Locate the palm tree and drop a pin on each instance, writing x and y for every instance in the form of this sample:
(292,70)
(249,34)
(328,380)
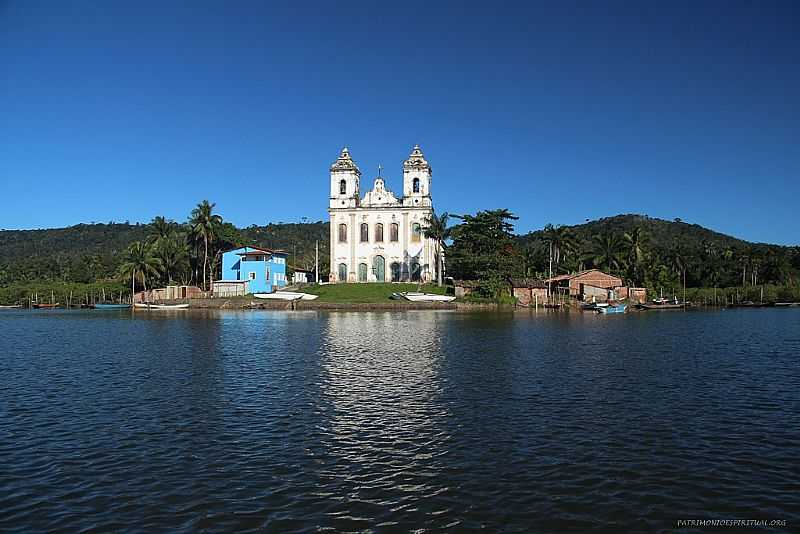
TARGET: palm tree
(561,241)
(205,224)
(606,252)
(636,241)
(140,262)
(172,254)
(436,229)
(161,228)
(678,260)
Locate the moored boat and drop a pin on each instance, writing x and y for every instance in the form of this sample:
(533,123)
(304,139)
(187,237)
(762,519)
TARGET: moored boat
(615,308)
(665,306)
(112,306)
(147,306)
(426,297)
(46,306)
(285,295)
(279,295)
(13,306)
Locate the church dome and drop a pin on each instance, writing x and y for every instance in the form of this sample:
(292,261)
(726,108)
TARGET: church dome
(416,160)
(345,163)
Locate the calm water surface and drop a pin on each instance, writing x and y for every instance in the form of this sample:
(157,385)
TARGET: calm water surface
(394,421)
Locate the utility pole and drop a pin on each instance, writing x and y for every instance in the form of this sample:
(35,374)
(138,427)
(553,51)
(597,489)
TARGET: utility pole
(549,282)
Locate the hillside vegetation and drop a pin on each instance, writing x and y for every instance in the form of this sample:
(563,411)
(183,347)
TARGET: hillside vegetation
(644,251)
(658,253)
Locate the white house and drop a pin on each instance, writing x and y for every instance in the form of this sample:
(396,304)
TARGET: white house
(379,238)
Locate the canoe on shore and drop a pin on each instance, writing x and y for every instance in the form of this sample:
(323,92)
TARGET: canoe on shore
(426,297)
(157,307)
(285,295)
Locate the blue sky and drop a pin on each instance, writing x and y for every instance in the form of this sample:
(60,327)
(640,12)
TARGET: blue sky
(560,111)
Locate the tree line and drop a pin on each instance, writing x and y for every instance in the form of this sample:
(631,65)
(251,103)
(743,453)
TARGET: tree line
(643,252)
(149,255)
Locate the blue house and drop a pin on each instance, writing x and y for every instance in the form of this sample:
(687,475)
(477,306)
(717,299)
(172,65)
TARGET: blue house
(262,269)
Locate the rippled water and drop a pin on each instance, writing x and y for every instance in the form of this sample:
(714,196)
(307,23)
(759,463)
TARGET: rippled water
(395,421)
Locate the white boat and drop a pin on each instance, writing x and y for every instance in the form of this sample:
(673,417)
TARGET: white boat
(285,295)
(145,306)
(426,297)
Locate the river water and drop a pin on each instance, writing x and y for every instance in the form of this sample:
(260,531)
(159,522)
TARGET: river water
(296,421)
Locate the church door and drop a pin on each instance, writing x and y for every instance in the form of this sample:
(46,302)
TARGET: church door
(379,267)
(362,272)
(395,268)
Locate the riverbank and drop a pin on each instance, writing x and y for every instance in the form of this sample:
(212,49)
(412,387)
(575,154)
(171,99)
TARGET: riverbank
(245,303)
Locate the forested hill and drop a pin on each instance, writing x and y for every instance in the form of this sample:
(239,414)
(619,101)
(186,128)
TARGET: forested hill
(658,231)
(90,252)
(654,251)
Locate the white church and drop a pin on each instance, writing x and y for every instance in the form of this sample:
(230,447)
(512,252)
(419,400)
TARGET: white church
(380,238)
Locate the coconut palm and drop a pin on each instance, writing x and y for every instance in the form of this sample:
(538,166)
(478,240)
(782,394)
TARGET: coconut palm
(561,241)
(436,229)
(140,262)
(161,228)
(606,252)
(173,254)
(205,224)
(635,242)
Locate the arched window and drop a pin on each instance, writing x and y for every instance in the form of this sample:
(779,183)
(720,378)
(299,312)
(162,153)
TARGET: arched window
(416,185)
(395,268)
(343,187)
(364,232)
(362,272)
(379,233)
(416,232)
(342,233)
(342,272)
(394,232)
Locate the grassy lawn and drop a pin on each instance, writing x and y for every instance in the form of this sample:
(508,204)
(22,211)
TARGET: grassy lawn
(365,293)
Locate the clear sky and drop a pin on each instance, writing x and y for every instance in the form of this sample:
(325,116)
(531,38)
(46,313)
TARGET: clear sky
(559,111)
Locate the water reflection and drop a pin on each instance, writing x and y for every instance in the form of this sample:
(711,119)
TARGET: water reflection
(299,421)
(385,426)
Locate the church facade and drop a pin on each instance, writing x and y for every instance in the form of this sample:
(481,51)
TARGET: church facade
(380,237)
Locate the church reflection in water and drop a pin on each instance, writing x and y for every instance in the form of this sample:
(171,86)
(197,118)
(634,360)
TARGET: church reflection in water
(380,394)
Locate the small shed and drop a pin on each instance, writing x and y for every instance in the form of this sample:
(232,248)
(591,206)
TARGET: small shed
(302,276)
(529,292)
(230,288)
(462,288)
(585,282)
(635,295)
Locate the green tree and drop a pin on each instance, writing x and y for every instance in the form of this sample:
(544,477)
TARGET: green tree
(606,252)
(161,228)
(436,228)
(205,224)
(483,249)
(140,261)
(636,243)
(561,242)
(173,256)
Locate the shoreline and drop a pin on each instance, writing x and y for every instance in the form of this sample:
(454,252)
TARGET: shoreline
(254,304)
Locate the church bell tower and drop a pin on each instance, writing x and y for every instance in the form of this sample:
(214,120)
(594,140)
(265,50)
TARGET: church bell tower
(416,179)
(345,187)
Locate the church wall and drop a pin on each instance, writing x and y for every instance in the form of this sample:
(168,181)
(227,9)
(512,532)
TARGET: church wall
(355,252)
